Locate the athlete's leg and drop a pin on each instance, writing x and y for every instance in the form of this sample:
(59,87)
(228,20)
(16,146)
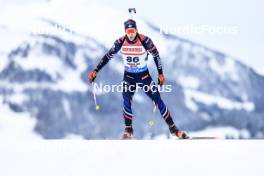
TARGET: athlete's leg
(152,91)
(128,92)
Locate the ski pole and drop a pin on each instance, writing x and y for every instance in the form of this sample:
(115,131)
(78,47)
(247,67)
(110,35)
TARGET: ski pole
(154,107)
(97,107)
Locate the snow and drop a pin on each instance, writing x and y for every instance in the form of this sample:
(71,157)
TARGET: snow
(189,82)
(102,17)
(105,28)
(14,126)
(50,65)
(71,82)
(67,14)
(3,61)
(23,152)
(119,66)
(228,70)
(223,132)
(139,98)
(205,116)
(135,157)
(13,37)
(17,98)
(67,107)
(191,104)
(221,102)
(18,87)
(247,44)
(73,137)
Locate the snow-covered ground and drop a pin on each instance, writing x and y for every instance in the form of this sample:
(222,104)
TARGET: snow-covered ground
(131,158)
(16,126)
(23,152)
(223,133)
(20,126)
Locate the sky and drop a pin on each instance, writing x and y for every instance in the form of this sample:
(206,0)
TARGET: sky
(246,17)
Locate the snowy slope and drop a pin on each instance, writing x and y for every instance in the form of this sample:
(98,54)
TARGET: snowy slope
(48,70)
(15,126)
(130,158)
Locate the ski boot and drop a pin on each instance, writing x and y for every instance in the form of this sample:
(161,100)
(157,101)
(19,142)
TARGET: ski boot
(128,133)
(176,132)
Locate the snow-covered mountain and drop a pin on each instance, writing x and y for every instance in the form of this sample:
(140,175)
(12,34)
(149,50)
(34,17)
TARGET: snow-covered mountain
(47,49)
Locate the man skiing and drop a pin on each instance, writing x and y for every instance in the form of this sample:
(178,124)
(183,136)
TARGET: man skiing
(134,49)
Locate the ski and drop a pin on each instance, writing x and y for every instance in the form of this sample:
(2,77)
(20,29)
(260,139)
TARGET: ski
(202,137)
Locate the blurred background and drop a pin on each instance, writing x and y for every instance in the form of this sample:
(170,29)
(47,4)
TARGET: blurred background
(210,51)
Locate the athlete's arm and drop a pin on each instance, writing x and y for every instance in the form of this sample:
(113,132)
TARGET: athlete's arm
(115,48)
(149,45)
(110,54)
(154,52)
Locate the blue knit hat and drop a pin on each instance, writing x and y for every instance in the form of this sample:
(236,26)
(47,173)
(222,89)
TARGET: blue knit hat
(130,24)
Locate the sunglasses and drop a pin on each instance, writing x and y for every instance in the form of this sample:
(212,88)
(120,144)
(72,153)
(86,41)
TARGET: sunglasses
(130,30)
